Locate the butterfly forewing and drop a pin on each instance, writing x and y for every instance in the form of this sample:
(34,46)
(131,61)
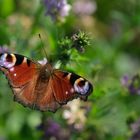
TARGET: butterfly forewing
(22,75)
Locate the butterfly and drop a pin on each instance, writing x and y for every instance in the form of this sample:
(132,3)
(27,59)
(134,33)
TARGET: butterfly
(40,86)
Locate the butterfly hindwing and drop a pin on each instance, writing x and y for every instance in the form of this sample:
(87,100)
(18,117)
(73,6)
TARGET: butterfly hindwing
(67,86)
(63,90)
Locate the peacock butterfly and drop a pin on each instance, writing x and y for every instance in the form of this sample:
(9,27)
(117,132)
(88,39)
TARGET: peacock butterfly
(40,86)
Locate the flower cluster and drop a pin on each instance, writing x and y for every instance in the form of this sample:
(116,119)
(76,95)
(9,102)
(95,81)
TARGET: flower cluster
(67,46)
(75,114)
(80,41)
(132,84)
(84,7)
(57,9)
(135,128)
(52,130)
(3,49)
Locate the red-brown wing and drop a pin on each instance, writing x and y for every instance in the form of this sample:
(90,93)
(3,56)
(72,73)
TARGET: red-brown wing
(67,86)
(63,90)
(57,88)
(49,90)
(45,97)
(29,81)
(22,74)
(41,87)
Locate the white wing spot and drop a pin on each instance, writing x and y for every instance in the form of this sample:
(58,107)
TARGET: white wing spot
(15,74)
(25,60)
(43,62)
(12,69)
(72,90)
(66,92)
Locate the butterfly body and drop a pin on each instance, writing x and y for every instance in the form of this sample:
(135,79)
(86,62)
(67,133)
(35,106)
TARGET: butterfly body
(40,86)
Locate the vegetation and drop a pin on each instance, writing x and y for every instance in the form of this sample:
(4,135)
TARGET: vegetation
(99,40)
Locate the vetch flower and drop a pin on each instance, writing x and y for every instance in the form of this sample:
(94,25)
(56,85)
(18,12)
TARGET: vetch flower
(57,9)
(3,49)
(84,7)
(135,127)
(125,80)
(134,87)
(132,84)
(52,130)
(49,128)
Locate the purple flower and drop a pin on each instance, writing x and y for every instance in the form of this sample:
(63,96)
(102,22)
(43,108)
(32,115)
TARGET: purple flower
(49,128)
(84,7)
(135,127)
(132,84)
(57,9)
(52,129)
(3,49)
(125,80)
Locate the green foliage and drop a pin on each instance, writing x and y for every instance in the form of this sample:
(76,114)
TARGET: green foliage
(102,46)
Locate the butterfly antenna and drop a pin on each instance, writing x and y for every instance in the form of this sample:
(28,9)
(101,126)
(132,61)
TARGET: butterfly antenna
(42,44)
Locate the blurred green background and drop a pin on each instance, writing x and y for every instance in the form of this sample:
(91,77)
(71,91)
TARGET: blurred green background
(111,62)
